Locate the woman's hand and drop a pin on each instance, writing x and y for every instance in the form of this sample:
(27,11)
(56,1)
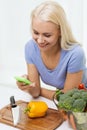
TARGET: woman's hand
(32,88)
(22,85)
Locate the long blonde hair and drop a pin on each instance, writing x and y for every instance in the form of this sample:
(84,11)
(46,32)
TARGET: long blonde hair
(51,11)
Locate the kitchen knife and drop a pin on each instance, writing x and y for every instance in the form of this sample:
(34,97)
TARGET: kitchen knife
(15,111)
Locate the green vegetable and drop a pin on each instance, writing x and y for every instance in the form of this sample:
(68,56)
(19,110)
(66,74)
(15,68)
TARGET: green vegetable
(22,79)
(58,94)
(84,96)
(74,100)
(76,95)
(66,103)
(79,105)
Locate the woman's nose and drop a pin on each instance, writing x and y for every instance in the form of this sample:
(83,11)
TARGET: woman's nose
(40,40)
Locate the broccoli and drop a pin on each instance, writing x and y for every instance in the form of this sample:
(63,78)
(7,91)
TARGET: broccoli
(76,95)
(79,105)
(71,92)
(63,97)
(84,96)
(66,103)
(74,100)
(58,94)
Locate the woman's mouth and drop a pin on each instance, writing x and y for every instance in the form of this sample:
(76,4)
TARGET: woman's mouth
(42,45)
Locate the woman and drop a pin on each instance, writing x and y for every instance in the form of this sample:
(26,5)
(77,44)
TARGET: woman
(53,53)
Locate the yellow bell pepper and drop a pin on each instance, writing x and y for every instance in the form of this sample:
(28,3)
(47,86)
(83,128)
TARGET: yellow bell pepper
(36,109)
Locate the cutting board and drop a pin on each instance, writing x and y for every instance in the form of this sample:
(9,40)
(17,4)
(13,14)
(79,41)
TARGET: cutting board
(51,121)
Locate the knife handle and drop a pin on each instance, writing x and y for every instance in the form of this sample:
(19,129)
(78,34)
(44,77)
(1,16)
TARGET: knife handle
(12,101)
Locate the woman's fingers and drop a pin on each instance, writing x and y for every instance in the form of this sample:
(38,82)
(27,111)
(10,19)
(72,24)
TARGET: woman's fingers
(32,85)
(25,87)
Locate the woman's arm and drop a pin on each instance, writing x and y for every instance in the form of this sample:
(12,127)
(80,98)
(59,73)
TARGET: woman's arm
(47,93)
(72,80)
(33,76)
(37,90)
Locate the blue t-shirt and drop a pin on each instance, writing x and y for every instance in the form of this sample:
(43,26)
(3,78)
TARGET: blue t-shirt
(70,61)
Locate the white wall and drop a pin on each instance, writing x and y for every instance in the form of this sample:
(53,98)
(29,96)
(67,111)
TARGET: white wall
(14,32)
(85,26)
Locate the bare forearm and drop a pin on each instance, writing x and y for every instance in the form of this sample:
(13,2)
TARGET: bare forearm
(47,93)
(35,92)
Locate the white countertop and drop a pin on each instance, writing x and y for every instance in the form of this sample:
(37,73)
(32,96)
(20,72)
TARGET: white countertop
(7,91)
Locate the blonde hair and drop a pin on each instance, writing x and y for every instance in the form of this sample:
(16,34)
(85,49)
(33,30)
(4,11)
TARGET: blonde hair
(51,11)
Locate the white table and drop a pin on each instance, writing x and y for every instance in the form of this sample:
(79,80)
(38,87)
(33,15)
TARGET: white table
(7,91)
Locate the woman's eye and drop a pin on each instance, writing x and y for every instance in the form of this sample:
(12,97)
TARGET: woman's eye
(47,35)
(36,33)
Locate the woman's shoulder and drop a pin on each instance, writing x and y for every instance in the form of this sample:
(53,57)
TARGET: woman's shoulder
(76,52)
(77,46)
(31,48)
(30,43)
(77,49)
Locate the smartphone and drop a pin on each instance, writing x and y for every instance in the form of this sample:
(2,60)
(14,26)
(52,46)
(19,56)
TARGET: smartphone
(22,79)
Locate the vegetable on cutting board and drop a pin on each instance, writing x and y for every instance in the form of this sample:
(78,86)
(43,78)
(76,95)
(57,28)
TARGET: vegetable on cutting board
(36,109)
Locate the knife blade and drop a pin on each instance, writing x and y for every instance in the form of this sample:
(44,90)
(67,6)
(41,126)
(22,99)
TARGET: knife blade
(15,111)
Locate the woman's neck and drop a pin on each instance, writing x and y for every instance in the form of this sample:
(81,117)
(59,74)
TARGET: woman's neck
(49,56)
(52,51)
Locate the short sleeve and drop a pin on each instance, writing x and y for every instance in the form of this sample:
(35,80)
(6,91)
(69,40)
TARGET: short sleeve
(29,52)
(77,60)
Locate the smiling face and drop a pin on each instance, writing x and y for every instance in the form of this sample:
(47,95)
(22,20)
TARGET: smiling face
(46,34)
